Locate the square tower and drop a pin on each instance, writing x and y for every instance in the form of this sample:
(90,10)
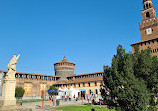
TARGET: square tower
(148,29)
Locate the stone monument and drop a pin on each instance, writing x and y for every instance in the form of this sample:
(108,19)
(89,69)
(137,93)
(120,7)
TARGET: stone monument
(9,84)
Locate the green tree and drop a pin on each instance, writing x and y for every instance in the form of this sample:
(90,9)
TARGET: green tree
(146,68)
(123,90)
(19,92)
(52,88)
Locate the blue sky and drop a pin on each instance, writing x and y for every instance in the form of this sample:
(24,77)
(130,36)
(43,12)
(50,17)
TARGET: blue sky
(87,32)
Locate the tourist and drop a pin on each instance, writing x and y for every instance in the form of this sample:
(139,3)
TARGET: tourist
(88,98)
(74,96)
(50,99)
(69,97)
(54,100)
(92,97)
(62,97)
(82,99)
(65,97)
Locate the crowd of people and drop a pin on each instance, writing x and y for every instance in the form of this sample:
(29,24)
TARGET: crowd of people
(91,99)
(52,100)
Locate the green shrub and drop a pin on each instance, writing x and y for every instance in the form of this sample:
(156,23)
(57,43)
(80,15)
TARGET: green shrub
(19,92)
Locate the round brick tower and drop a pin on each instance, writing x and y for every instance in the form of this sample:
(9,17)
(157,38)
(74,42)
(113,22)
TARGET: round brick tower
(64,68)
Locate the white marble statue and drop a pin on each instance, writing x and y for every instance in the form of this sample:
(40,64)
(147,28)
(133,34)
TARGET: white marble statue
(12,67)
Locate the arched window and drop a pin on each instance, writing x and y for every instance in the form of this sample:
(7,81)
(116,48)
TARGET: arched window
(101,83)
(74,85)
(148,14)
(95,84)
(83,85)
(89,84)
(96,91)
(89,91)
(146,5)
(149,5)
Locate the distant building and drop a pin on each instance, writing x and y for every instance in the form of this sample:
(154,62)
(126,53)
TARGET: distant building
(148,29)
(64,77)
(64,68)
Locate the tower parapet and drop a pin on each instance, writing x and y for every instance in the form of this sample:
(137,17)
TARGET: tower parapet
(149,26)
(64,68)
(148,29)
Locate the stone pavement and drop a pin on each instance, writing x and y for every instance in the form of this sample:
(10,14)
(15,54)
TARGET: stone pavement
(36,106)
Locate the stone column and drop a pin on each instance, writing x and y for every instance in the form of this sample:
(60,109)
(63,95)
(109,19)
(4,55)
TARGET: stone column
(1,80)
(54,78)
(8,93)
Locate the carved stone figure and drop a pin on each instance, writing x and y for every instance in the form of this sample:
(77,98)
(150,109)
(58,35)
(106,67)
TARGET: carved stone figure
(12,66)
(9,84)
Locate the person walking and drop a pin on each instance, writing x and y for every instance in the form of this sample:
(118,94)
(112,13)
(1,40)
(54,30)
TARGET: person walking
(88,98)
(54,100)
(92,99)
(65,97)
(50,100)
(74,97)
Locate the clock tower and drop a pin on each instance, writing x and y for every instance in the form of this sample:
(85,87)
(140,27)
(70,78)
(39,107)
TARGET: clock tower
(148,28)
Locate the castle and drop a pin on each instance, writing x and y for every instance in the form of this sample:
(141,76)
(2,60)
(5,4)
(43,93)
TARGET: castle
(90,82)
(148,29)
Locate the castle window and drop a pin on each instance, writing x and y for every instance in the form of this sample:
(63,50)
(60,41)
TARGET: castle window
(89,91)
(78,85)
(146,5)
(26,76)
(96,91)
(89,84)
(16,75)
(95,83)
(83,85)
(101,83)
(149,42)
(148,14)
(149,5)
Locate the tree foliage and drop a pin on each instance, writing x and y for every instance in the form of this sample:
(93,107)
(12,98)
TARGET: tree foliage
(19,92)
(131,81)
(52,88)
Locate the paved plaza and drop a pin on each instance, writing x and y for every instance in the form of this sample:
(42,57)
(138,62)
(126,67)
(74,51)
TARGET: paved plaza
(36,106)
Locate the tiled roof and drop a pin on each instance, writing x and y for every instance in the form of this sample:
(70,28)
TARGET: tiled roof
(61,82)
(64,61)
(87,74)
(80,80)
(87,79)
(143,41)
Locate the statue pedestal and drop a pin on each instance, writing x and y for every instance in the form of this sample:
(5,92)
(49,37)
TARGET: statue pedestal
(8,93)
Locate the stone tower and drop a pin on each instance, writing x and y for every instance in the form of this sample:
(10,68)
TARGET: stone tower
(148,29)
(64,68)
